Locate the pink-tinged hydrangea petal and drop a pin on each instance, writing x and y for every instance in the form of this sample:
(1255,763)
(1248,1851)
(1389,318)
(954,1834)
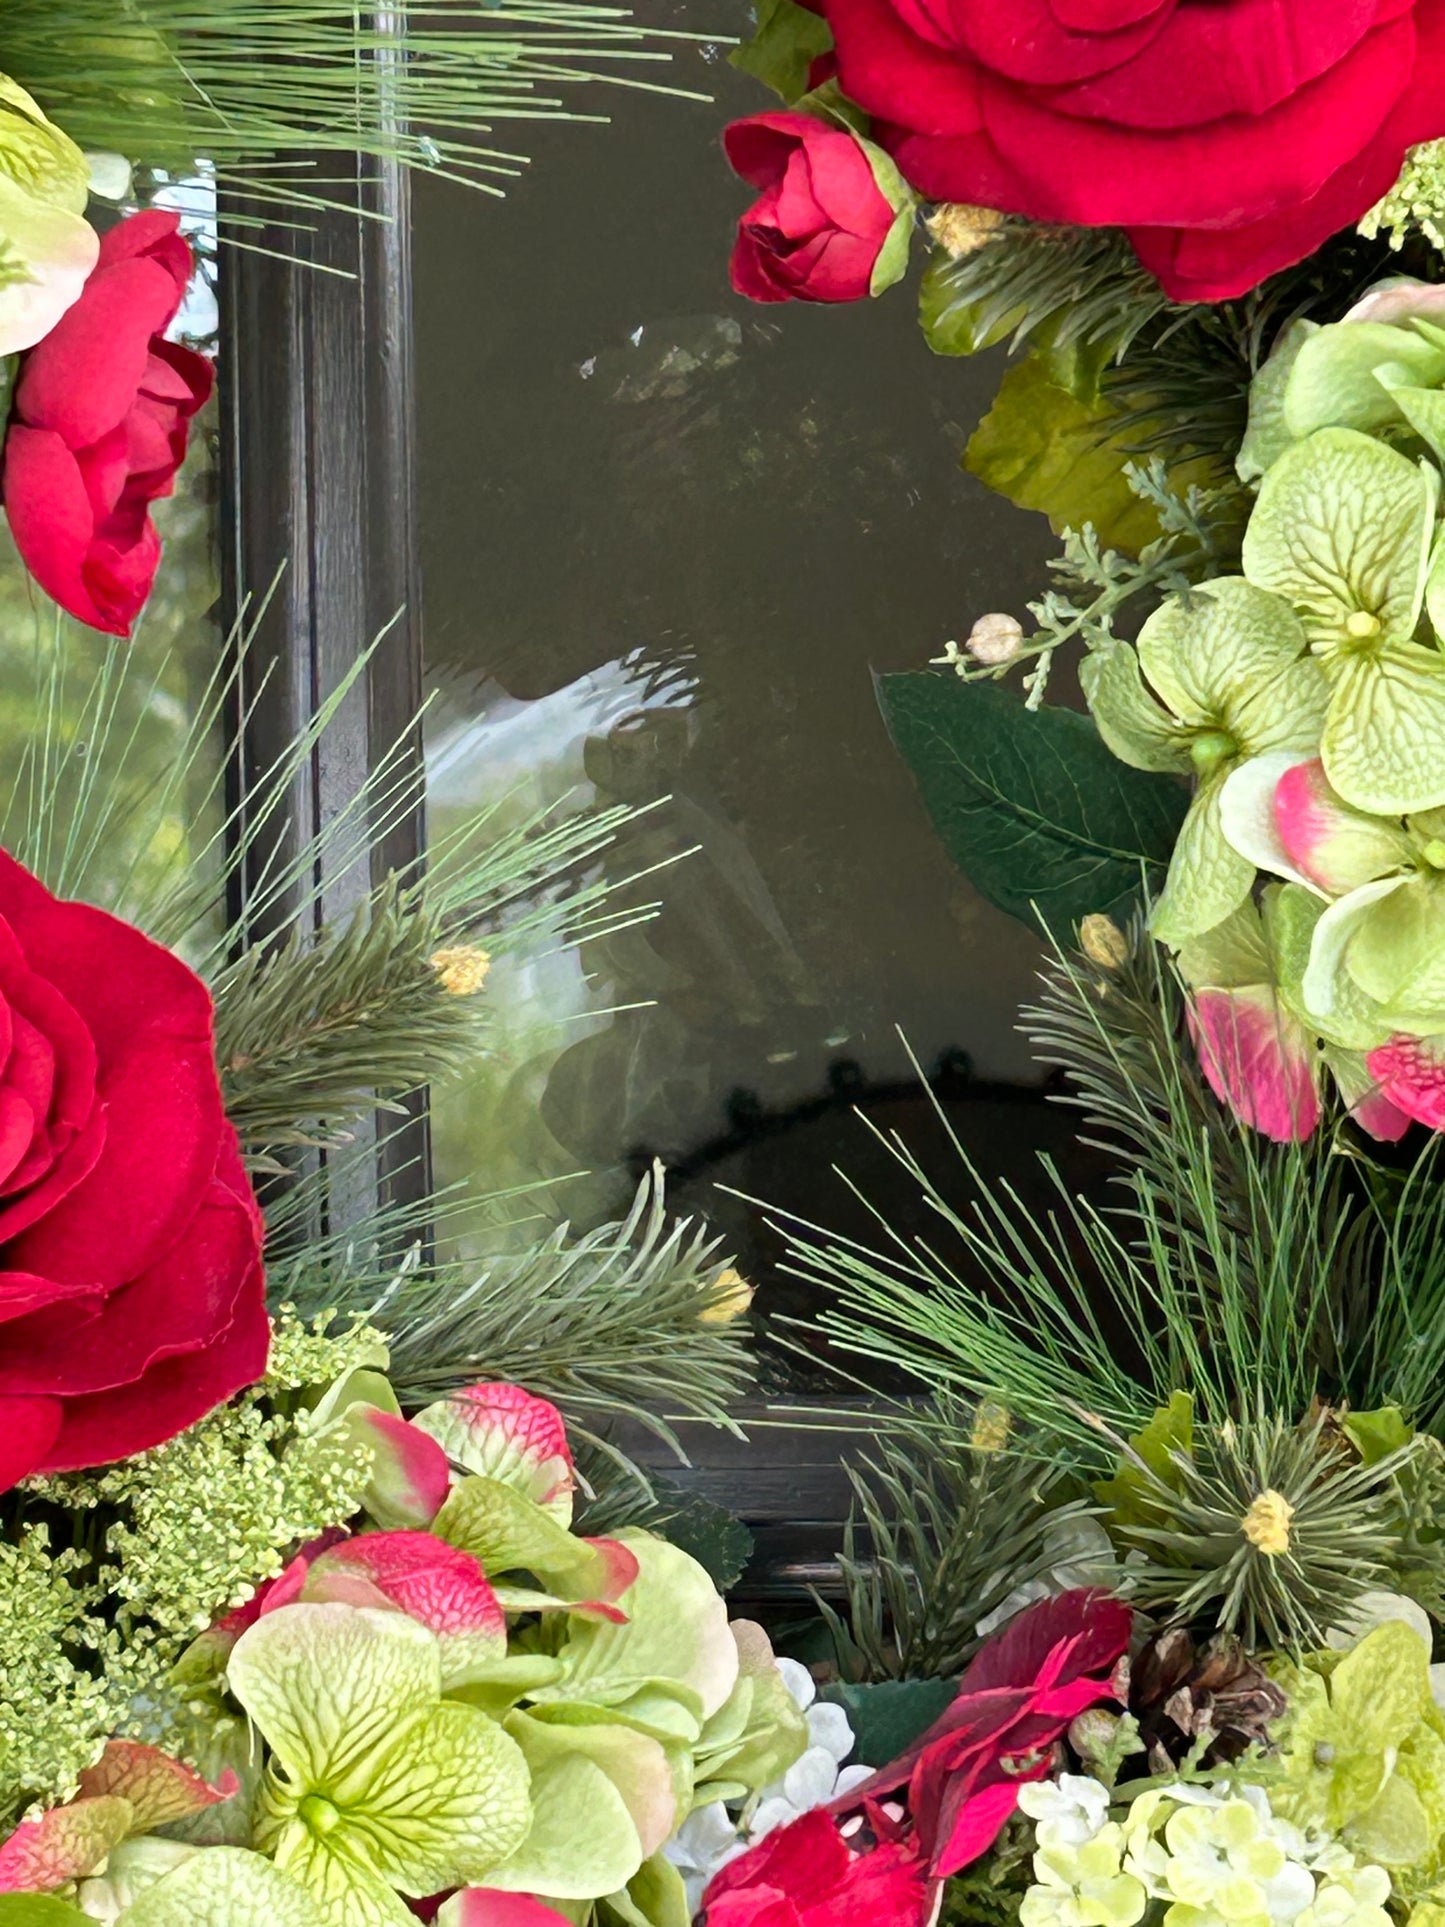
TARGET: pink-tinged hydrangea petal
(1258,1061)
(590,1591)
(1410,1072)
(1367,1104)
(63,1845)
(1397,299)
(1332,846)
(437,1584)
(507,1434)
(486,1907)
(410,1478)
(158,1788)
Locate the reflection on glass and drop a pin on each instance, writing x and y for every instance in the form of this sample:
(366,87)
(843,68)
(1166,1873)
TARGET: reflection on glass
(667,537)
(177,639)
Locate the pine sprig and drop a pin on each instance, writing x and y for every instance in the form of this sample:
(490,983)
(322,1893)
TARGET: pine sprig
(632,1321)
(314,1034)
(1245,1273)
(1071,287)
(941,1530)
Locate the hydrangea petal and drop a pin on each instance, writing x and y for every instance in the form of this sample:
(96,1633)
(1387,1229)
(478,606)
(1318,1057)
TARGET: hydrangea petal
(508,1434)
(1384,741)
(1207,878)
(1375,1113)
(1327,843)
(1397,953)
(1247,815)
(1342,528)
(490,1907)
(63,1845)
(410,1477)
(226,1887)
(1258,1060)
(160,1789)
(1410,1074)
(1327,985)
(1334,381)
(1134,725)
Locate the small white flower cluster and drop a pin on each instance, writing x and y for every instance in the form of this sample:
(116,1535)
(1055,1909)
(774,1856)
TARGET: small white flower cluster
(1215,1856)
(712,1836)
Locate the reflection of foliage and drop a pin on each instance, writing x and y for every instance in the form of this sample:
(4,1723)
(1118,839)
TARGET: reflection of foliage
(175,81)
(84,720)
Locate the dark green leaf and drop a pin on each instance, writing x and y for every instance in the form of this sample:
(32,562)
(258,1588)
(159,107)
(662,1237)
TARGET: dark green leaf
(1038,814)
(788,40)
(721,1544)
(890,1715)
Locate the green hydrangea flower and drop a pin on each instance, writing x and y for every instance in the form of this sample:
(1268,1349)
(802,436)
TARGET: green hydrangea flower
(377,1786)
(1210,684)
(1365,1750)
(47,248)
(1344,530)
(1359,926)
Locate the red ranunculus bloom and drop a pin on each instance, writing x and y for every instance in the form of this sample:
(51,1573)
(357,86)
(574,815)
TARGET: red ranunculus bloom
(98,427)
(806,1875)
(1231,137)
(822,221)
(132,1298)
(879,1853)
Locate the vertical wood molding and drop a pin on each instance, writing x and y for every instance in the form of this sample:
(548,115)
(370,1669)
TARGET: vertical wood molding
(318,485)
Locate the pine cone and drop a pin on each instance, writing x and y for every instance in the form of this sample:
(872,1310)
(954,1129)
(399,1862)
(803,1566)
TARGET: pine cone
(1179,1693)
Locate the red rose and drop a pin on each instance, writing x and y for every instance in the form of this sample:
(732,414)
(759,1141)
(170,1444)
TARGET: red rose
(824,229)
(98,427)
(132,1298)
(1231,137)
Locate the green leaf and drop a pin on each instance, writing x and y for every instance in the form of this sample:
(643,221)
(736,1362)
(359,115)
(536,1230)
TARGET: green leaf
(955,326)
(1031,805)
(788,39)
(1045,449)
(720,1543)
(1376,1435)
(42,1910)
(888,1716)
(1170,1430)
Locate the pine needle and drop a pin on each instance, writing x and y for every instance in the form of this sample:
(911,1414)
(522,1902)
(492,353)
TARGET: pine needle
(241,84)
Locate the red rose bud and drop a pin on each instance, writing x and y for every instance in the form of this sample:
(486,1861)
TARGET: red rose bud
(132,1299)
(98,427)
(834,217)
(1230,138)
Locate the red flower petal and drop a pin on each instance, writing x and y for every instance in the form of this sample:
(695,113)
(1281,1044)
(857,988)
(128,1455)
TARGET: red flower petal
(28,1429)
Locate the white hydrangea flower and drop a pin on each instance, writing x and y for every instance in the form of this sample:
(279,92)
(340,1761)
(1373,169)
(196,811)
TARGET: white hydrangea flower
(1066,1812)
(1084,1886)
(1227,1861)
(1355,1898)
(712,1836)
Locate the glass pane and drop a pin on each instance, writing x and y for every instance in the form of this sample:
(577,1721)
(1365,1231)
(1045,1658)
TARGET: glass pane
(667,538)
(133,732)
